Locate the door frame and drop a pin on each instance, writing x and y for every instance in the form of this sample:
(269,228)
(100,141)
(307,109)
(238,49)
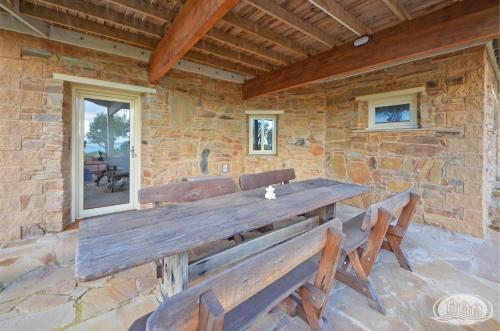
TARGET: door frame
(78,93)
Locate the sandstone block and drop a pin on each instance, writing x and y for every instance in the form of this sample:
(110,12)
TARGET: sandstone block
(391,163)
(358,172)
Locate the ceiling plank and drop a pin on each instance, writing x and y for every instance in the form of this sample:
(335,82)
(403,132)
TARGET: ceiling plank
(80,24)
(459,25)
(269,35)
(110,16)
(338,13)
(194,20)
(397,9)
(147,8)
(292,20)
(225,65)
(248,46)
(12,7)
(233,56)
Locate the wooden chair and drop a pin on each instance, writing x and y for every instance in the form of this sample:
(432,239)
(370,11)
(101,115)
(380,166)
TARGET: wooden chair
(237,297)
(364,237)
(187,191)
(263,179)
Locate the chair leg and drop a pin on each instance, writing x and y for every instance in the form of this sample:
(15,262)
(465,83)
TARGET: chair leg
(363,287)
(310,312)
(398,251)
(362,284)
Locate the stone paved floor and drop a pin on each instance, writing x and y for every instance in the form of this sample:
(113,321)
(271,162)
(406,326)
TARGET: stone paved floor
(38,292)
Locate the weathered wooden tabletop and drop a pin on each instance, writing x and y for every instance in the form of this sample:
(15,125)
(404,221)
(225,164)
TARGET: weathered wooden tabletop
(113,243)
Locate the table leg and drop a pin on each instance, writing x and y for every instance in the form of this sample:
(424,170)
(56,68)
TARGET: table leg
(175,274)
(325,213)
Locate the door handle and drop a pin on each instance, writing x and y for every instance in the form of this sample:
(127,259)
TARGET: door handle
(132,152)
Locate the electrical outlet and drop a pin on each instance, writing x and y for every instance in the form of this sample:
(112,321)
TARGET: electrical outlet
(225,168)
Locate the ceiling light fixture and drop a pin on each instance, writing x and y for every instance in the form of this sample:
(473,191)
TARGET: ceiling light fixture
(361,41)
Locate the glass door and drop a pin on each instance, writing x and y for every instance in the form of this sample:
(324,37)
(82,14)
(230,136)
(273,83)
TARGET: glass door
(105,153)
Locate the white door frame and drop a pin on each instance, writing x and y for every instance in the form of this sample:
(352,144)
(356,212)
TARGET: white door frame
(79,92)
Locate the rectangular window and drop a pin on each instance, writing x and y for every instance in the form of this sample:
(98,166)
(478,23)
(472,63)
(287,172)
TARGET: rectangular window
(393,112)
(262,135)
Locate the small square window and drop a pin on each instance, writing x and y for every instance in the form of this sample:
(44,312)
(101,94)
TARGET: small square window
(262,135)
(393,112)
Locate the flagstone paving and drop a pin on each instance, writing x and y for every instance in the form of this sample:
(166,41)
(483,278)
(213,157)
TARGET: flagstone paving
(38,291)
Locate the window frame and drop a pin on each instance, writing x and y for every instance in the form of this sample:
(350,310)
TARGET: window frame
(272,118)
(410,99)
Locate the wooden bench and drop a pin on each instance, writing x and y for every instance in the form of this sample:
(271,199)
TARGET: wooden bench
(186,191)
(238,296)
(364,237)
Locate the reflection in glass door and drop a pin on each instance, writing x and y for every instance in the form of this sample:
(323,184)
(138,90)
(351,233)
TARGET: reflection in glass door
(105,163)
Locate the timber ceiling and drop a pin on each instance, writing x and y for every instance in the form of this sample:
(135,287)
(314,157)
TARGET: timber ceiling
(256,37)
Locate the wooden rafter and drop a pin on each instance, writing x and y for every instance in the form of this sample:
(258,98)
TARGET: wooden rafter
(397,8)
(228,54)
(80,24)
(110,16)
(338,13)
(269,35)
(225,65)
(248,46)
(292,20)
(193,21)
(459,25)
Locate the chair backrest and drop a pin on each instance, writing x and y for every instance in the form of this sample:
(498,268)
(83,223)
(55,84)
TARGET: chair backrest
(392,205)
(263,179)
(243,280)
(187,191)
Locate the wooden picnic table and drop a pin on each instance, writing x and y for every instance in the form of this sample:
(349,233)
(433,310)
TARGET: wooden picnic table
(112,243)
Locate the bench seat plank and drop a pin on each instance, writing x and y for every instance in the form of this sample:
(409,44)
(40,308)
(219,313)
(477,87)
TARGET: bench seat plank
(258,305)
(354,236)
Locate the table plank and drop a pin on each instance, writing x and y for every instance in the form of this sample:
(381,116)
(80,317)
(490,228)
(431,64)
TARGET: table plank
(167,231)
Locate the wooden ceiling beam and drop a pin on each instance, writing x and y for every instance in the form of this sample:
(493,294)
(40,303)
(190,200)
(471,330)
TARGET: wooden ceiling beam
(110,16)
(194,20)
(225,65)
(83,25)
(248,46)
(269,35)
(338,13)
(397,9)
(456,26)
(283,15)
(233,56)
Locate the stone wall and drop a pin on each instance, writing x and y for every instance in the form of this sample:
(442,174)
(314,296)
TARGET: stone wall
(193,125)
(446,161)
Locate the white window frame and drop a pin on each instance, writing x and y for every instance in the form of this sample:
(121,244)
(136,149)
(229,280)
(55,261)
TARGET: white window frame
(251,118)
(407,96)
(410,99)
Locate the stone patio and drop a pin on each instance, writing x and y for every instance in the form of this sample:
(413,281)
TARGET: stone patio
(38,292)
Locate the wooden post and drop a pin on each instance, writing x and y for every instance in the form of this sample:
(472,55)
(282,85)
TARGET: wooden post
(175,274)
(325,213)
